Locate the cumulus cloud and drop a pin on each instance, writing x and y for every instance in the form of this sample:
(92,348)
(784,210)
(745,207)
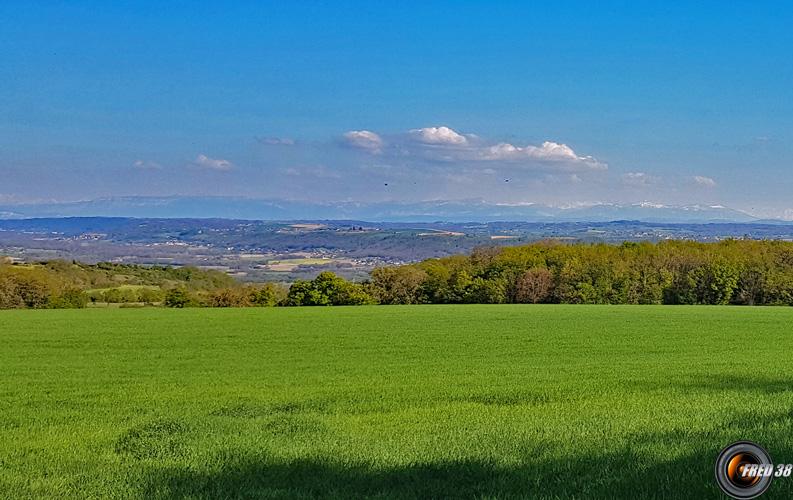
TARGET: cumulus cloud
(639,179)
(703,181)
(365,140)
(439,136)
(439,160)
(213,163)
(549,151)
(448,145)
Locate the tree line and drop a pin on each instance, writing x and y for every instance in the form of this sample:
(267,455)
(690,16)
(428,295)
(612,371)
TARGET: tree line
(69,284)
(746,272)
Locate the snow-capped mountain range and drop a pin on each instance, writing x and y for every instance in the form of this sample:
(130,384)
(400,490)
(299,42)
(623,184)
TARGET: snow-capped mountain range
(453,211)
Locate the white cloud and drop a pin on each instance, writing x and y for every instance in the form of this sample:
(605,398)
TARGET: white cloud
(146,165)
(639,179)
(213,163)
(364,139)
(438,135)
(548,151)
(445,145)
(277,141)
(703,181)
(469,147)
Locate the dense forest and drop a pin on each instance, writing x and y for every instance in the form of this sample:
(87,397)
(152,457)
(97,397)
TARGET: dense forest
(746,272)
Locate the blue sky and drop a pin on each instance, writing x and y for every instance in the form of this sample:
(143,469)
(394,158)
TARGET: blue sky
(550,102)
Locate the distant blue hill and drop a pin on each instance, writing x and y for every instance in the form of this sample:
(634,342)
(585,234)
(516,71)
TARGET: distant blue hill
(453,211)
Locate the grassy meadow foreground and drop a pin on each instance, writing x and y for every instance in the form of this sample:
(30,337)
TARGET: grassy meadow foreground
(496,401)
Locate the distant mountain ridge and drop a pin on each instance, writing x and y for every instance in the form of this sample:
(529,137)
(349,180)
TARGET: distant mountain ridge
(428,211)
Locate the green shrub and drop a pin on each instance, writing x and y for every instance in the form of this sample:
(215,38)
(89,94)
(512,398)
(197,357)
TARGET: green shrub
(178,298)
(71,298)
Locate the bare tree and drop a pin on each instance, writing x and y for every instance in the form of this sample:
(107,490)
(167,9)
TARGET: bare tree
(534,286)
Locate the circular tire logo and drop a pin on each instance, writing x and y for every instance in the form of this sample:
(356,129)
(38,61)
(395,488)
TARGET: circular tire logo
(731,470)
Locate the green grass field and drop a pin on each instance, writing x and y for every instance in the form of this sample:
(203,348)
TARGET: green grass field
(426,401)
